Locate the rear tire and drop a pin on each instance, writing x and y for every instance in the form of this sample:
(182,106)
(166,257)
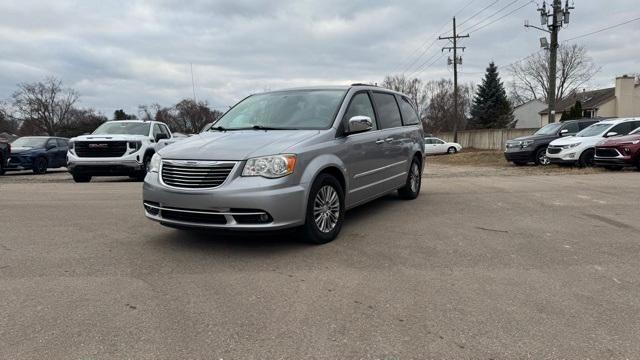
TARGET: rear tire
(325,210)
(411,189)
(81,178)
(40,165)
(586,159)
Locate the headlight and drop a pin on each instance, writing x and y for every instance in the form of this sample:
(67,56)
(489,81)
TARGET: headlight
(71,145)
(274,166)
(134,146)
(154,165)
(526,143)
(570,146)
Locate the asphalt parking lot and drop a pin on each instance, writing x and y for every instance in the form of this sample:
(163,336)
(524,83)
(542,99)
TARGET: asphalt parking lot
(486,267)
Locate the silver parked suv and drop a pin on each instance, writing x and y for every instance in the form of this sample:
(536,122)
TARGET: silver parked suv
(291,158)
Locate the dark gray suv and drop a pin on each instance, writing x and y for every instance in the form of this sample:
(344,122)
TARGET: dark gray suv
(290,158)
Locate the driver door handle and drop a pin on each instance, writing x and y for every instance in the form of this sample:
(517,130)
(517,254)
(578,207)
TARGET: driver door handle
(389,139)
(379,141)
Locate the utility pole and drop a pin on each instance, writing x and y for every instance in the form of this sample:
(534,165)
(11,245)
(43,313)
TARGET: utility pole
(559,16)
(457,60)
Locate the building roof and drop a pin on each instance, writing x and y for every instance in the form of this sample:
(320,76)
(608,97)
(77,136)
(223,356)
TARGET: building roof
(589,99)
(529,102)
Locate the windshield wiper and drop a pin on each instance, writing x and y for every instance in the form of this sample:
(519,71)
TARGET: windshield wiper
(218,128)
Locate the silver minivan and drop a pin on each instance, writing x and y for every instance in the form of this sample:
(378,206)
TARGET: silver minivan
(290,158)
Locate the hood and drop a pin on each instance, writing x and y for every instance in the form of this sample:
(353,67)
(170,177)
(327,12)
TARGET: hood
(617,140)
(23,150)
(568,140)
(115,137)
(235,145)
(535,137)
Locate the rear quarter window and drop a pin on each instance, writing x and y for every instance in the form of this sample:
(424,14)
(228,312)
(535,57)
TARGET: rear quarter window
(409,115)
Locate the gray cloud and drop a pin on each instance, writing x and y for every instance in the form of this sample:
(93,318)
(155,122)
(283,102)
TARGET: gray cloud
(125,53)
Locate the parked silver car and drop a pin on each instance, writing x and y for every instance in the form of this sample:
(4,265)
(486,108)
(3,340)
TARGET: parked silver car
(290,158)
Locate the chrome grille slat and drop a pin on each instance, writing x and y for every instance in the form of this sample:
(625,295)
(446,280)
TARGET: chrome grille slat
(195,174)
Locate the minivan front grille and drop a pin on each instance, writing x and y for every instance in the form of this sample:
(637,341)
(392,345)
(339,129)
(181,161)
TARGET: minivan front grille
(100,148)
(605,152)
(195,174)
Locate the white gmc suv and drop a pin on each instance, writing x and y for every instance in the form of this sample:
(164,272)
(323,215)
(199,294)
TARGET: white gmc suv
(122,147)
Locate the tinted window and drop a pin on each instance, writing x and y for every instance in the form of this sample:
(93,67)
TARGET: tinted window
(387,110)
(52,142)
(360,106)
(409,116)
(585,124)
(428,141)
(438,141)
(572,128)
(62,143)
(624,128)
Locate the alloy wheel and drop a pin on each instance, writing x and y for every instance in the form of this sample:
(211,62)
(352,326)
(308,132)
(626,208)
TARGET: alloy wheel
(326,209)
(415,177)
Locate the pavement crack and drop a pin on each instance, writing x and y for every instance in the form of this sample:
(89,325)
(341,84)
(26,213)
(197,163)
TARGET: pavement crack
(489,229)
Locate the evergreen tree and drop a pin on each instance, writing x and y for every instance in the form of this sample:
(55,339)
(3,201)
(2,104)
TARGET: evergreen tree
(575,112)
(491,108)
(121,115)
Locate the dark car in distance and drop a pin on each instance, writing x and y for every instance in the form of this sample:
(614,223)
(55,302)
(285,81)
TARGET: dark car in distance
(618,152)
(533,148)
(38,153)
(5,151)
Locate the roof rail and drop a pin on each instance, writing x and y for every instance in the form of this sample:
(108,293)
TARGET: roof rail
(363,84)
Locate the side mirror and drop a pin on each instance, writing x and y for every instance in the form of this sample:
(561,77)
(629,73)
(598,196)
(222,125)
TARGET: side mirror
(564,132)
(611,133)
(358,124)
(161,136)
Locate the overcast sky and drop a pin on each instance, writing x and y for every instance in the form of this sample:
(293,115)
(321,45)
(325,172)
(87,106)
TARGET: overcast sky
(119,54)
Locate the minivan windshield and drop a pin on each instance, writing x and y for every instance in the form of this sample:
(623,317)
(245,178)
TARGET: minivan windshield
(123,127)
(593,130)
(283,110)
(31,142)
(549,129)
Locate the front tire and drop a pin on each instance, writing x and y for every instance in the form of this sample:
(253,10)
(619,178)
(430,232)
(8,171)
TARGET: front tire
(411,189)
(81,178)
(541,157)
(145,168)
(452,150)
(325,210)
(40,165)
(586,159)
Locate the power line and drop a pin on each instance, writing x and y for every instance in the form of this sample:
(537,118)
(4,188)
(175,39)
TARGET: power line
(603,29)
(421,68)
(503,16)
(417,49)
(490,16)
(479,12)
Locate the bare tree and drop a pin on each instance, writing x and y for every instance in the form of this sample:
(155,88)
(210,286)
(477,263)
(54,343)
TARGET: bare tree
(439,113)
(148,112)
(188,116)
(45,104)
(531,76)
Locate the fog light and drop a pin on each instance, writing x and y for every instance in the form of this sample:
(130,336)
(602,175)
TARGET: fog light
(263,218)
(151,209)
(571,155)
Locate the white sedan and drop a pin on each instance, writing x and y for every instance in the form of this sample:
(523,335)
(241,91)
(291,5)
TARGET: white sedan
(434,145)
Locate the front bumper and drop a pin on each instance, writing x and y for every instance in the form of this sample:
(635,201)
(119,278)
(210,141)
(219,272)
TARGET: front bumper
(518,155)
(18,162)
(565,156)
(127,165)
(284,203)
